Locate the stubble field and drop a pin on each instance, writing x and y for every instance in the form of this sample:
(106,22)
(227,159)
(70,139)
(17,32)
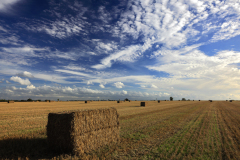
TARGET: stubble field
(166,130)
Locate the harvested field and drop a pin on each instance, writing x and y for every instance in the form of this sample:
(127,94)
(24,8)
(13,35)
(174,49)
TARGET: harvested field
(166,130)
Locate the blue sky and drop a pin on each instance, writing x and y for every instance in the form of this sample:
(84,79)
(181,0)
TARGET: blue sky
(136,49)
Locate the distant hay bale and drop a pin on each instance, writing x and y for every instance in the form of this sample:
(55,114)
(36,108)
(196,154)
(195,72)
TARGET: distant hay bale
(143,104)
(51,101)
(37,101)
(119,101)
(46,100)
(210,100)
(10,101)
(87,101)
(83,131)
(226,100)
(129,101)
(159,101)
(230,101)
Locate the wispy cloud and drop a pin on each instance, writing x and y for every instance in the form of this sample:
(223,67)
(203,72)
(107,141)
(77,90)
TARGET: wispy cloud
(6,4)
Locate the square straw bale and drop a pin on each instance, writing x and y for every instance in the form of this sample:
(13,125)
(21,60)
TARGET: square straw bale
(119,101)
(10,101)
(144,104)
(87,101)
(83,131)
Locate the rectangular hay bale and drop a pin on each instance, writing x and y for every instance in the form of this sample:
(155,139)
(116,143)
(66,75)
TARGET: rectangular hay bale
(82,131)
(10,101)
(87,101)
(119,101)
(143,104)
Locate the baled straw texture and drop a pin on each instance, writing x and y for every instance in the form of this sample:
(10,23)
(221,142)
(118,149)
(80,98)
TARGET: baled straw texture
(83,131)
(10,101)
(87,101)
(119,101)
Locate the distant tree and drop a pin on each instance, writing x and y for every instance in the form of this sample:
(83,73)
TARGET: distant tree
(39,100)
(29,100)
(58,99)
(188,99)
(183,99)
(171,98)
(126,99)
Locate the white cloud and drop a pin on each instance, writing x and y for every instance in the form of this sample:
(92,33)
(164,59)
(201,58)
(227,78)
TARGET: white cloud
(101,85)
(20,80)
(118,84)
(166,94)
(153,86)
(73,72)
(89,82)
(25,74)
(124,92)
(5,4)
(8,82)
(31,87)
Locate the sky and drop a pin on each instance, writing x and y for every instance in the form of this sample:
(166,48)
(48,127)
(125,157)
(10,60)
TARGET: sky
(135,49)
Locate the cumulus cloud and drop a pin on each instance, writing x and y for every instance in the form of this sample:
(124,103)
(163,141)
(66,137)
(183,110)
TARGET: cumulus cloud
(124,92)
(31,87)
(102,86)
(118,84)
(20,80)
(25,74)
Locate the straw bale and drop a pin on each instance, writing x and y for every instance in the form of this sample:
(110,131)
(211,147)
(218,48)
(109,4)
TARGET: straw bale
(159,101)
(10,101)
(129,101)
(210,100)
(143,104)
(226,100)
(83,131)
(230,101)
(87,101)
(47,101)
(119,101)
(51,101)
